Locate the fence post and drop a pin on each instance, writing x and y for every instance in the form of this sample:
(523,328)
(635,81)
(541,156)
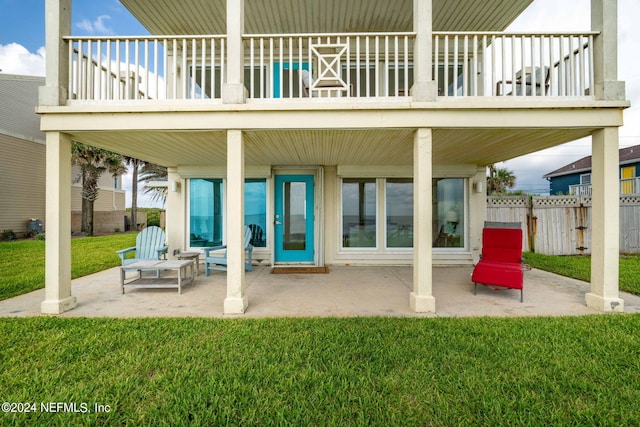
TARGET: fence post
(531,223)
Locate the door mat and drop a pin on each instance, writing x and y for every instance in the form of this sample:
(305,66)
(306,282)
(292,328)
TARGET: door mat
(300,270)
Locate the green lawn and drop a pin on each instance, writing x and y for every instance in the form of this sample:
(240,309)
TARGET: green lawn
(356,371)
(22,262)
(579,267)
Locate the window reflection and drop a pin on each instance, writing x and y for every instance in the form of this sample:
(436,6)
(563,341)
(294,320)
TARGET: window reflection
(359,213)
(255,210)
(399,195)
(295,216)
(206,209)
(448,212)
(205,219)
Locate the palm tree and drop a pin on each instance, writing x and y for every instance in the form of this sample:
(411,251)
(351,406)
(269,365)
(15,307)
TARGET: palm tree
(152,172)
(93,162)
(499,180)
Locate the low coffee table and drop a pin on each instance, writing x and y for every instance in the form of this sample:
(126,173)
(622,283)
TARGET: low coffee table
(194,256)
(184,277)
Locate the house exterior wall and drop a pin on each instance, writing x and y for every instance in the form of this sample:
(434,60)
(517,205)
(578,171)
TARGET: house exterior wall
(328,211)
(22,176)
(23,160)
(22,186)
(560,184)
(110,198)
(230,138)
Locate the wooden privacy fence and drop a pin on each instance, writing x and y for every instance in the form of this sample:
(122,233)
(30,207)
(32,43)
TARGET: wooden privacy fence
(561,225)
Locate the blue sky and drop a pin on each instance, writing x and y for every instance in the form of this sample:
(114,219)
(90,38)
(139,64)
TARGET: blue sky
(22,21)
(22,52)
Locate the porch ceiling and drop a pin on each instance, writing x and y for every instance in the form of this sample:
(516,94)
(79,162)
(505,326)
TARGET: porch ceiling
(330,147)
(322,16)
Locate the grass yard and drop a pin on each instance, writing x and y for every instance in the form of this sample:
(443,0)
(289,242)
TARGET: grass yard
(335,371)
(22,262)
(579,267)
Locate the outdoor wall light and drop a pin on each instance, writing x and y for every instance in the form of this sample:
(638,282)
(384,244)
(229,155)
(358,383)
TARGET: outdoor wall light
(174,186)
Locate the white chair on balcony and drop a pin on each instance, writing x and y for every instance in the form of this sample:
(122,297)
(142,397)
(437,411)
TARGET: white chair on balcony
(543,76)
(328,82)
(306,81)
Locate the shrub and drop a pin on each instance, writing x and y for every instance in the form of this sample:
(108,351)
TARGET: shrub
(30,234)
(153,216)
(8,235)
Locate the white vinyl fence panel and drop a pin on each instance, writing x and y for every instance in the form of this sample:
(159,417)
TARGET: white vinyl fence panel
(561,225)
(630,224)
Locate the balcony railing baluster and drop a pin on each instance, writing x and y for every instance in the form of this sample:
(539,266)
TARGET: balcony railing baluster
(368,65)
(628,186)
(145,68)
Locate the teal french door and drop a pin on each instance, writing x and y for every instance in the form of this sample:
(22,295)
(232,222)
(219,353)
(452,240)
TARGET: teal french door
(294,218)
(290,71)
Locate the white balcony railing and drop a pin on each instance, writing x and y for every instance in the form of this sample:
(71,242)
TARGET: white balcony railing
(351,65)
(128,68)
(518,65)
(580,190)
(630,186)
(361,65)
(627,186)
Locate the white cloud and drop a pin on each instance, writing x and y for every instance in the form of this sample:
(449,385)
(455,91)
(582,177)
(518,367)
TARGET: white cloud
(98,26)
(16,59)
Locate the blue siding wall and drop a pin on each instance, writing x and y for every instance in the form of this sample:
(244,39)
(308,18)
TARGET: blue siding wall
(560,184)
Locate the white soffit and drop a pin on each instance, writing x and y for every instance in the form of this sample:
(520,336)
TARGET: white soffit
(353,149)
(180,17)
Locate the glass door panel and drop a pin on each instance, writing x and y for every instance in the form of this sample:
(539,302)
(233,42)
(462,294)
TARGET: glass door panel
(294,224)
(293,218)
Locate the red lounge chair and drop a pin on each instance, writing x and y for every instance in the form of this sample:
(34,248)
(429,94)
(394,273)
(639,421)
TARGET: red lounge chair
(501,261)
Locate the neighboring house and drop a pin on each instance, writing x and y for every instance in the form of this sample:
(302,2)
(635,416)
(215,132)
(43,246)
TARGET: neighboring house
(575,178)
(22,160)
(356,135)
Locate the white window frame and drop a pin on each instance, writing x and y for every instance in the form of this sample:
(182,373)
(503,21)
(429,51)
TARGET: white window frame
(381,247)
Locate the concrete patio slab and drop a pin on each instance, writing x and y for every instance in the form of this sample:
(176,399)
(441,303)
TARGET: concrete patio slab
(345,291)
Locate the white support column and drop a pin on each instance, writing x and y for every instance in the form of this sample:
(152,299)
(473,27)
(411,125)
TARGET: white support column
(421,299)
(236,301)
(605,222)
(604,18)
(424,87)
(234,91)
(175,209)
(58,24)
(477,211)
(58,297)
